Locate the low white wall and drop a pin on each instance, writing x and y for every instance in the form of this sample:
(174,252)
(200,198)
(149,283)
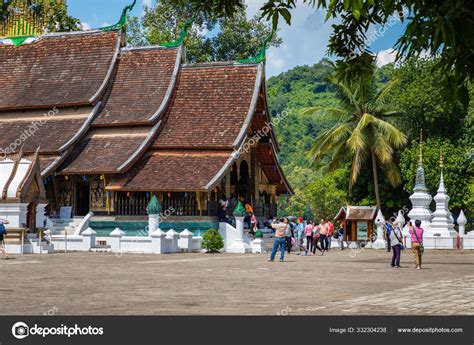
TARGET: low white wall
(73,242)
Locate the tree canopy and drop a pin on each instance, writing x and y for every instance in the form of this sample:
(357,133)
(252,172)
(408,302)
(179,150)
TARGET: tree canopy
(442,29)
(235,37)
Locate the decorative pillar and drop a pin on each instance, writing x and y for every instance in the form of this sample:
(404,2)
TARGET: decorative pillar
(115,237)
(380,243)
(186,240)
(238,245)
(462,224)
(158,242)
(14,213)
(400,219)
(40,215)
(420,198)
(258,245)
(88,239)
(173,236)
(153,210)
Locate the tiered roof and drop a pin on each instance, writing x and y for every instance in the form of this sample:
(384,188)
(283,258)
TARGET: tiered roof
(140,114)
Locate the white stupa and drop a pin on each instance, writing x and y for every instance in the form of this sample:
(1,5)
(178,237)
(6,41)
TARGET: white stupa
(420,199)
(442,223)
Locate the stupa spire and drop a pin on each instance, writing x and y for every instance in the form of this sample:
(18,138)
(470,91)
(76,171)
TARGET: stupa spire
(442,224)
(420,184)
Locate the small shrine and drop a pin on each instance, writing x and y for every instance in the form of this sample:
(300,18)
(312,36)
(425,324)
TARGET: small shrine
(357,222)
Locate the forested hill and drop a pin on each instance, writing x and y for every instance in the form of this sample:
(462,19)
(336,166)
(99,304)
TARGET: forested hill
(292,91)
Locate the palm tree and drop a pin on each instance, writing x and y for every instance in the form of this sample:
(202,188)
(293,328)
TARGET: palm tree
(361,130)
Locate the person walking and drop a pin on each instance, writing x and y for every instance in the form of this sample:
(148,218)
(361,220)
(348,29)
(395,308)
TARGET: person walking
(308,232)
(340,237)
(253,223)
(388,229)
(289,235)
(280,241)
(299,236)
(330,234)
(323,233)
(417,243)
(316,239)
(3,232)
(396,240)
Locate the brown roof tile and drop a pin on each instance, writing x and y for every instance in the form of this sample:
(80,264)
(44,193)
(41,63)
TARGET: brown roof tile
(140,85)
(46,161)
(56,69)
(100,154)
(172,171)
(209,107)
(49,137)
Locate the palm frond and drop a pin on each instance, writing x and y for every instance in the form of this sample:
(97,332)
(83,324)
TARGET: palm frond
(357,162)
(392,172)
(381,96)
(383,150)
(326,113)
(358,139)
(392,134)
(327,141)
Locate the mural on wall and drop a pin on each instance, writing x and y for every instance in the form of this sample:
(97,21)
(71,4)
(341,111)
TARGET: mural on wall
(65,192)
(98,193)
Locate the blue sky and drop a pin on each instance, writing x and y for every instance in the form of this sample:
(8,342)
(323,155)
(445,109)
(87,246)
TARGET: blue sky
(304,42)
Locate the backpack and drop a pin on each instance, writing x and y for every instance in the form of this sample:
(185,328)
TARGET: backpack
(3,231)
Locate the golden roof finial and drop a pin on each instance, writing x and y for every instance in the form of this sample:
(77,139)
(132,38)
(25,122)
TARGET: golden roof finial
(441,162)
(421,145)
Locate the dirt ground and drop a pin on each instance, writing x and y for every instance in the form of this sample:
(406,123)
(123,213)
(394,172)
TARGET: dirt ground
(340,282)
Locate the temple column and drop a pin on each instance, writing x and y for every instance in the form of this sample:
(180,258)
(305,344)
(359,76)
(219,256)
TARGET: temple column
(40,215)
(227,185)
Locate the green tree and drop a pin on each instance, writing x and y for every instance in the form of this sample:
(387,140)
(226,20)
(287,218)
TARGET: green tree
(458,170)
(325,196)
(441,28)
(57,18)
(426,106)
(362,130)
(237,37)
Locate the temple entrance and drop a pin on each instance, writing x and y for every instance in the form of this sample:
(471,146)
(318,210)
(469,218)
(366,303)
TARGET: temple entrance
(31,216)
(82,198)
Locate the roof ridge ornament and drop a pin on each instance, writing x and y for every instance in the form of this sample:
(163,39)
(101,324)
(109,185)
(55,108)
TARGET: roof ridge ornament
(123,18)
(260,57)
(182,37)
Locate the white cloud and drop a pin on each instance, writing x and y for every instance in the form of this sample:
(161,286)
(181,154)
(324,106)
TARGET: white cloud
(304,42)
(105,24)
(386,56)
(85,26)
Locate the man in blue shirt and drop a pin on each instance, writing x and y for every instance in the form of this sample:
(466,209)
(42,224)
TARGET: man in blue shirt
(388,229)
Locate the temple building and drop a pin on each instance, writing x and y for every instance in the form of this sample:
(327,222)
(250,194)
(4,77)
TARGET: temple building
(110,125)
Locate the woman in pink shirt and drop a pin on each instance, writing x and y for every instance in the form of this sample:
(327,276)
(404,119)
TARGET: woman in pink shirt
(417,243)
(308,232)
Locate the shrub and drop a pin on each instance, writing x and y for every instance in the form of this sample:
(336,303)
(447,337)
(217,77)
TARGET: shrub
(212,241)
